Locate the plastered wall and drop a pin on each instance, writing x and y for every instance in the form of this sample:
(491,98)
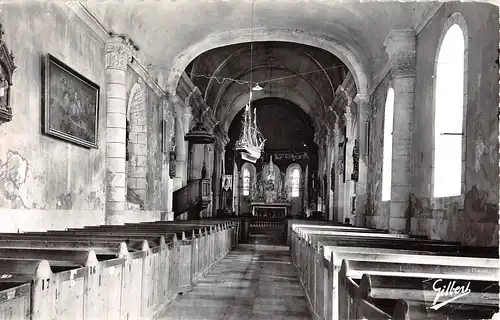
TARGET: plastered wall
(43,179)
(48,183)
(471,218)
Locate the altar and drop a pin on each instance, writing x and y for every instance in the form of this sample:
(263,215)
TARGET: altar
(269,197)
(268,209)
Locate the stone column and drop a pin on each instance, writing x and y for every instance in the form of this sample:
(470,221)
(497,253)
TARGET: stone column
(329,157)
(401,48)
(219,154)
(337,200)
(349,183)
(362,103)
(183,123)
(118,55)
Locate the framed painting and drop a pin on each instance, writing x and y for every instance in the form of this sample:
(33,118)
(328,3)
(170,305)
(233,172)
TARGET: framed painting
(71,104)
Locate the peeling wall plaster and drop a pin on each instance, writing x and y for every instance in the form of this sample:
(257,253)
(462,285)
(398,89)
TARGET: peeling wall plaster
(38,172)
(471,218)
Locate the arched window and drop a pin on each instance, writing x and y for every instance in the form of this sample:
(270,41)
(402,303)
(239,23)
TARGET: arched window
(449,113)
(246,182)
(295,182)
(387,158)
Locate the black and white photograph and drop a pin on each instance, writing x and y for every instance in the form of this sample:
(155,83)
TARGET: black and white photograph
(249,160)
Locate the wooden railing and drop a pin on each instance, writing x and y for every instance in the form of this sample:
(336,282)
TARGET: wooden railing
(193,196)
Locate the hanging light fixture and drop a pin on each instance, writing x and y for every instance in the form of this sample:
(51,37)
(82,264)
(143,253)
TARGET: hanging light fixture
(257,88)
(251,141)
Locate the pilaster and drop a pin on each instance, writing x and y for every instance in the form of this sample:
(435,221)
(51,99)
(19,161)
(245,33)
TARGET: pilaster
(401,48)
(362,104)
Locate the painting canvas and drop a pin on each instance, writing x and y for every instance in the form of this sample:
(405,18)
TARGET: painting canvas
(71,104)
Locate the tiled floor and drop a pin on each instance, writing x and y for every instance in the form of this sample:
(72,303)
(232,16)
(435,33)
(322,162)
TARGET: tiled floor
(256,282)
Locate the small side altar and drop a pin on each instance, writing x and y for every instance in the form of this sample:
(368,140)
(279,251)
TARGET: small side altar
(272,210)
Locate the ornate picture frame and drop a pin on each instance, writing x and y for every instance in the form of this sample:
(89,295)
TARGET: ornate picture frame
(7,68)
(70,104)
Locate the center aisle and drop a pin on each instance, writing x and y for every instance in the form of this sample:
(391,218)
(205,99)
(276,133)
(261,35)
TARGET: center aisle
(254,282)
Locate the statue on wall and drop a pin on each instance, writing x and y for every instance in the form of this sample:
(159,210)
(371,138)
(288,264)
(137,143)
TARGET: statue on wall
(7,68)
(227,192)
(355,162)
(172,162)
(332,177)
(127,139)
(325,186)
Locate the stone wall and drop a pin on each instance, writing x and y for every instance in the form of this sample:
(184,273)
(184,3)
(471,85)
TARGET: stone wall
(145,141)
(473,217)
(50,178)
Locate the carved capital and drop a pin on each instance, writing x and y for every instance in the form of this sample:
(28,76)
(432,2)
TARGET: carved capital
(118,53)
(401,49)
(363,103)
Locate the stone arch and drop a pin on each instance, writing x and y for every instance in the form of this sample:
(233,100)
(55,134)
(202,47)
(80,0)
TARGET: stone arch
(455,19)
(291,96)
(350,57)
(137,166)
(243,51)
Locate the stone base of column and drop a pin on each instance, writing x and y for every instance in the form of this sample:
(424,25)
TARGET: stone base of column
(359,216)
(398,225)
(358,220)
(398,220)
(113,218)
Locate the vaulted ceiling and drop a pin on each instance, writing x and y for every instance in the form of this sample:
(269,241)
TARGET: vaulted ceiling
(173,33)
(284,125)
(304,75)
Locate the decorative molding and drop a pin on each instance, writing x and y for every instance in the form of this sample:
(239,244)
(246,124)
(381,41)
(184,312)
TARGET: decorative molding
(118,54)
(288,156)
(7,68)
(363,103)
(401,49)
(403,64)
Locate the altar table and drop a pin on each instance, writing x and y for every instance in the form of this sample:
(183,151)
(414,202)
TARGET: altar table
(280,205)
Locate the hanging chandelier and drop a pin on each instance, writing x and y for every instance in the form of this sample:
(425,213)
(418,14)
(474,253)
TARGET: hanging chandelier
(251,141)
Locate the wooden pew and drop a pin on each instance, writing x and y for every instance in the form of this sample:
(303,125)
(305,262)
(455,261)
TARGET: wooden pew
(314,274)
(479,302)
(28,281)
(69,282)
(148,277)
(99,247)
(292,224)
